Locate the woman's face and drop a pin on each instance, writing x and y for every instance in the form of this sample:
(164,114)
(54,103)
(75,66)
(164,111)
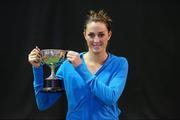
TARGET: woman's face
(97,36)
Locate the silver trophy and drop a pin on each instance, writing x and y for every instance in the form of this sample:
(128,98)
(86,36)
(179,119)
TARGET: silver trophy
(53,58)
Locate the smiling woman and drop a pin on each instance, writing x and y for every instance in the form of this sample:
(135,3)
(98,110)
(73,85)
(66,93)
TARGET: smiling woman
(92,80)
(97,30)
(97,36)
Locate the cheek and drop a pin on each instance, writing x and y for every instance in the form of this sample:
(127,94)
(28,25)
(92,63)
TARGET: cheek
(88,39)
(105,40)
(88,42)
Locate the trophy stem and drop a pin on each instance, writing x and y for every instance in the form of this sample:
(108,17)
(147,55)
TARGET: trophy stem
(52,84)
(52,76)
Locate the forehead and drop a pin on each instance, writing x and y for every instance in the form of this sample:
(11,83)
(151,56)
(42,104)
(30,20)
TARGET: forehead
(96,27)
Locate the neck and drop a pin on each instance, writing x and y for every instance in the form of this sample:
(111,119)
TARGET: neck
(96,58)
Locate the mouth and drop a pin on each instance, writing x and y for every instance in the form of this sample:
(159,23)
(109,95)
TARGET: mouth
(96,47)
(96,44)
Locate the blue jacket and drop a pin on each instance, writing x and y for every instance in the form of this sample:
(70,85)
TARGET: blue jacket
(90,96)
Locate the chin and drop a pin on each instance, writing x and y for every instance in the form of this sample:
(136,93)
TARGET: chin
(96,51)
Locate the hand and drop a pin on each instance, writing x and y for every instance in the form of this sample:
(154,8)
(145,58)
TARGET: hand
(35,57)
(74,58)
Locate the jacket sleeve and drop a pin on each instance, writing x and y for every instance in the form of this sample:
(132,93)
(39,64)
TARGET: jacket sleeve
(43,100)
(110,93)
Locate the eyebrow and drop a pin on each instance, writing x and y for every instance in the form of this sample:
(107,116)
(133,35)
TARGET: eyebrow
(98,32)
(101,32)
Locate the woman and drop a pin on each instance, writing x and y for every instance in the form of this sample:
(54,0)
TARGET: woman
(93,80)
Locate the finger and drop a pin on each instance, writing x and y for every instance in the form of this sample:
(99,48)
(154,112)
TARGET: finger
(72,54)
(37,56)
(35,52)
(34,56)
(69,54)
(37,48)
(34,59)
(69,59)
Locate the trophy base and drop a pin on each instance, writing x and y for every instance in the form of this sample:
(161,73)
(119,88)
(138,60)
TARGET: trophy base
(52,85)
(51,89)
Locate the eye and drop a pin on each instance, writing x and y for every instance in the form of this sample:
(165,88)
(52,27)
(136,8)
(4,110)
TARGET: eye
(91,35)
(100,34)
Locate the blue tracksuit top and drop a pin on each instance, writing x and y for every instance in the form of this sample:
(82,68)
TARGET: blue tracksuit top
(90,96)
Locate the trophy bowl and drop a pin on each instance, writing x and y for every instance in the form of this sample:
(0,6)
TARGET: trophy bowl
(53,58)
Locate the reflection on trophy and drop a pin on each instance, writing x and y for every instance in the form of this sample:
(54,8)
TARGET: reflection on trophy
(53,58)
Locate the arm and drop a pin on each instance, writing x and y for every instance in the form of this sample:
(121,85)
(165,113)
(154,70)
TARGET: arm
(43,100)
(109,94)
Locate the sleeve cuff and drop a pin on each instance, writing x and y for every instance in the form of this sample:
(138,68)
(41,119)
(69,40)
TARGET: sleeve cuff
(38,75)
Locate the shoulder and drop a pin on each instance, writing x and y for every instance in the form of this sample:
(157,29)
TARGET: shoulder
(118,59)
(117,64)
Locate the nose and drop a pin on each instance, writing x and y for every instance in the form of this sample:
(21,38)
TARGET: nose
(96,39)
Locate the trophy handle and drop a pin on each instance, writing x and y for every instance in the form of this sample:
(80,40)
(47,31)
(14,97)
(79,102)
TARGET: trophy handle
(63,59)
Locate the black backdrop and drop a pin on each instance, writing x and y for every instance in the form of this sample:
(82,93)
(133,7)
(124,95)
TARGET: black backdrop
(146,32)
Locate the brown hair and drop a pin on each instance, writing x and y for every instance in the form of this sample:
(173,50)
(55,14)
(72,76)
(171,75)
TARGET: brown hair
(98,16)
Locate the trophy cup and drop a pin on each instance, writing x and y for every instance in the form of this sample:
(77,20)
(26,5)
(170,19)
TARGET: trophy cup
(53,58)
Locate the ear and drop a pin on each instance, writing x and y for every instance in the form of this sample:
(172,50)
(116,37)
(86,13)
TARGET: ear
(84,33)
(110,34)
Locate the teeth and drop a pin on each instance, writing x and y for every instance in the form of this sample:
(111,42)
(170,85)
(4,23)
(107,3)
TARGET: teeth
(96,45)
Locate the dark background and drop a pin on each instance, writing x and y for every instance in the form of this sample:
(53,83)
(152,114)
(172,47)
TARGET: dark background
(145,32)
